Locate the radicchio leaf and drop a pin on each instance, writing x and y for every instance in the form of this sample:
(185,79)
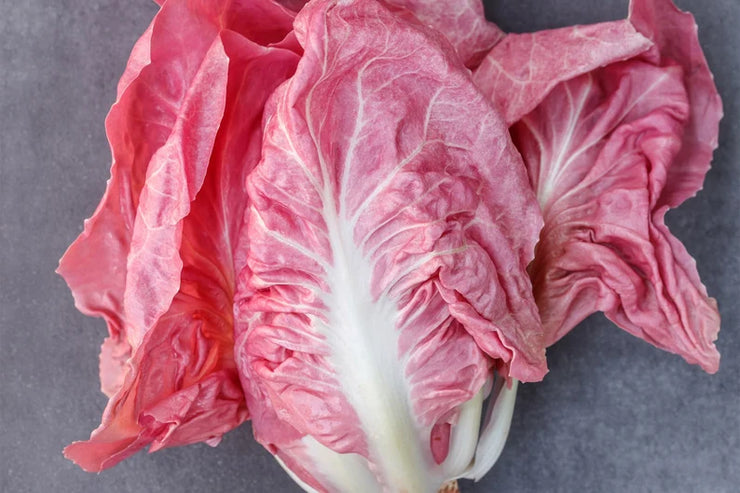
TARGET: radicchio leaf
(390,226)
(608,153)
(179,384)
(524,68)
(145,128)
(462,22)
(675,37)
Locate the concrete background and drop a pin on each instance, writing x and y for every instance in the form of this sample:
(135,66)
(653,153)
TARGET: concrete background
(613,415)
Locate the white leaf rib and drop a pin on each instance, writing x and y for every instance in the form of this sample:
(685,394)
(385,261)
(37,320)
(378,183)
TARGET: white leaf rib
(390,177)
(556,168)
(296,155)
(416,265)
(291,243)
(347,166)
(561,163)
(359,120)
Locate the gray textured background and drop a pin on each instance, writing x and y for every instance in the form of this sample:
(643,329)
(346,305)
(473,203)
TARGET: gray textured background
(613,415)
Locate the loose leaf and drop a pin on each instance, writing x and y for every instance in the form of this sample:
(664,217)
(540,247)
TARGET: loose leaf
(524,68)
(179,384)
(608,153)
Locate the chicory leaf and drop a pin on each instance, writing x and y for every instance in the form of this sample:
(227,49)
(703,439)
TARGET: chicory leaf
(522,69)
(390,226)
(462,22)
(179,384)
(609,152)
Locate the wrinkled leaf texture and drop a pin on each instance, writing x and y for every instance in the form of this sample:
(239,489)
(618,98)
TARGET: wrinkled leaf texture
(462,22)
(157,258)
(521,70)
(612,140)
(390,226)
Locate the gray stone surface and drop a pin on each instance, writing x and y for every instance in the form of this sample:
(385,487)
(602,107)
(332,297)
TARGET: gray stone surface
(613,415)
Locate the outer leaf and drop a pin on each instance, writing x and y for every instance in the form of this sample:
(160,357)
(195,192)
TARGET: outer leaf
(389,232)
(462,22)
(608,153)
(140,57)
(524,68)
(180,385)
(675,38)
(150,113)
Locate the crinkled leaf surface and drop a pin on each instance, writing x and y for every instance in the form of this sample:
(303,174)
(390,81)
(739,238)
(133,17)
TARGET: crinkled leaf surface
(608,153)
(462,22)
(523,68)
(675,37)
(178,384)
(390,227)
(152,183)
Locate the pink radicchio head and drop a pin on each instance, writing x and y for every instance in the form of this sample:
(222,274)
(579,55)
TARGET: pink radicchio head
(390,226)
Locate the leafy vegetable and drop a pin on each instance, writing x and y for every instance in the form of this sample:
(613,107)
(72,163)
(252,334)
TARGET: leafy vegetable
(608,153)
(520,71)
(317,218)
(164,287)
(462,22)
(390,227)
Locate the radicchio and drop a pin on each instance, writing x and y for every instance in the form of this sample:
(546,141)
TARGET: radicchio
(390,226)
(316,217)
(462,22)
(609,150)
(168,227)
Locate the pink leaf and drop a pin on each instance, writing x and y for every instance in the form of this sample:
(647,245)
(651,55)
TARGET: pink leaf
(608,153)
(390,227)
(462,22)
(675,38)
(179,384)
(524,68)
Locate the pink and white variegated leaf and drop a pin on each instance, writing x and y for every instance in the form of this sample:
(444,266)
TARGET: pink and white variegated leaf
(521,70)
(390,226)
(175,382)
(462,22)
(609,153)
